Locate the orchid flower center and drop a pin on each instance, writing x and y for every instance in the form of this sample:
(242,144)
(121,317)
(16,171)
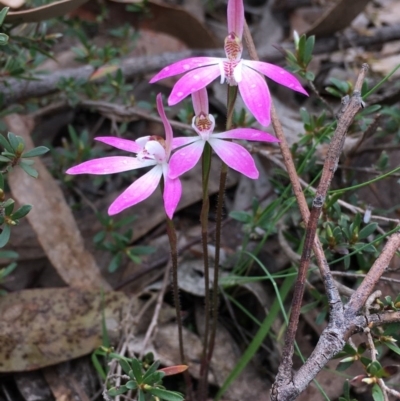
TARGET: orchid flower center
(204,125)
(233,47)
(154,148)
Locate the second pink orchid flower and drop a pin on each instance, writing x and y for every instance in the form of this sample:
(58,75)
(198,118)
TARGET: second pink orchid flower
(200,71)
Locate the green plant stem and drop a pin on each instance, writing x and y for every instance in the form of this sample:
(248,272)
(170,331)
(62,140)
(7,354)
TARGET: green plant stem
(206,166)
(174,260)
(231,98)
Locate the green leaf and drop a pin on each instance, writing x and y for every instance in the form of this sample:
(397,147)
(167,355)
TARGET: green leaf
(377,393)
(39,151)
(374,367)
(5,159)
(124,365)
(13,139)
(333,91)
(117,391)
(344,365)
(21,212)
(393,347)
(3,39)
(5,271)
(28,169)
(115,262)
(137,370)
(243,217)
(154,366)
(310,76)
(5,235)
(165,394)
(367,231)
(131,385)
(8,255)
(5,144)
(3,14)
(8,206)
(309,47)
(141,396)
(154,378)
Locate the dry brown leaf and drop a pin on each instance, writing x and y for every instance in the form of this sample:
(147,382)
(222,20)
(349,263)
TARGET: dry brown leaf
(48,11)
(52,219)
(177,22)
(42,327)
(337,17)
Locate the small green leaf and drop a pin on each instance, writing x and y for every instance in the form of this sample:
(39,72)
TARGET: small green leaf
(117,391)
(3,14)
(344,365)
(14,141)
(115,262)
(28,169)
(243,217)
(333,91)
(6,145)
(7,270)
(137,370)
(377,393)
(310,76)
(124,365)
(8,255)
(165,394)
(141,396)
(367,231)
(151,369)
(154,378)
(374,367)
(39,151)
(9,206)
(21,212)
(393,347)
(309,47)
(131,385)
(5,235)
(3,39)
(5,159)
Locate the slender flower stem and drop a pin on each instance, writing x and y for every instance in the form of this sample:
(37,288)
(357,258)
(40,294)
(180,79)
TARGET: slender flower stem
(174,259)
(232,94)
(206,165)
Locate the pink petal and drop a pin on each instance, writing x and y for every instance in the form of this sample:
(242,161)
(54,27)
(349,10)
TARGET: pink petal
(109,165)
(236,17)
(183,66)
(277,74)
(119,143)
(185,159)
(235,156)
(200,102)
(182,141)
(172,194)
(249,134)
(167,126)
(255,94)
(192,82)
(140,190)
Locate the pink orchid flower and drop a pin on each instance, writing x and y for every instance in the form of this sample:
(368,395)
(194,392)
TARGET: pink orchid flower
(234,155)
(151,151)
(200,71)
